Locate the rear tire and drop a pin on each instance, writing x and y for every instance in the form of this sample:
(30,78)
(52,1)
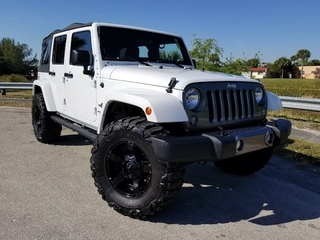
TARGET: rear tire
(126,172)
(45,130)
(247,163)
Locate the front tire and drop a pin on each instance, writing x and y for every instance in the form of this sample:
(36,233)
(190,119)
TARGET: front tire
(45,130)
(126,172)
(247,163)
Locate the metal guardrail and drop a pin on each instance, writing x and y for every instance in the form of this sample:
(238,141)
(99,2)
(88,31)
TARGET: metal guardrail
(311,104)
(10,85)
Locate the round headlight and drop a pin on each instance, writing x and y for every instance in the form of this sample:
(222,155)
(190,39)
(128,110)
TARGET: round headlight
(192,98)
(258,94)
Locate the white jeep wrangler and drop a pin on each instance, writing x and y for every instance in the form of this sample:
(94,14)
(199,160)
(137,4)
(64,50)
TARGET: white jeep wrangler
(137,95)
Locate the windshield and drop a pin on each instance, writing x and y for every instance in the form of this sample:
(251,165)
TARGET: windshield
(125,44)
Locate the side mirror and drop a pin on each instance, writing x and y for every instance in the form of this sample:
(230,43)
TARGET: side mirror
(82,58)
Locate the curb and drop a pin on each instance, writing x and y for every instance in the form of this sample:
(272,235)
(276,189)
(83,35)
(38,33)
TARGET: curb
(306,135)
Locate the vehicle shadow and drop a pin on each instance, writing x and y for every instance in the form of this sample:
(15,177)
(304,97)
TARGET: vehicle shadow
(273,196)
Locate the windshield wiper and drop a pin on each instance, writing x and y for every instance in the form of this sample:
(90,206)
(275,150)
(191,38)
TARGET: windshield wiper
(172,62)
(134,59)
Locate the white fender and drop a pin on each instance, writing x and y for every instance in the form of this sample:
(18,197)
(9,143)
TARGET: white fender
(165,107)
(274,102)
(47,94)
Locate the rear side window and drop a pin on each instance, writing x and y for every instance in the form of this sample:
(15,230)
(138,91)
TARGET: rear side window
(59,47)
(45,55)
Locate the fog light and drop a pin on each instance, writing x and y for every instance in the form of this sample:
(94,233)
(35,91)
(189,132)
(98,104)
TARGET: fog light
(269,138)
(193,121)
(239,145)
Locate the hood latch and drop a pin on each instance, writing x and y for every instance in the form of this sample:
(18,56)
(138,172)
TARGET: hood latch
(172,83)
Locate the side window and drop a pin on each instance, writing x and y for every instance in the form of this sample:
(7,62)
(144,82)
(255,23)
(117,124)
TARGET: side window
(59,46)
(81,41)
(45,54)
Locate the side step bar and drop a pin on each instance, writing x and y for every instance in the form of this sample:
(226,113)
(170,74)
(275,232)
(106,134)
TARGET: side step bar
(80,130)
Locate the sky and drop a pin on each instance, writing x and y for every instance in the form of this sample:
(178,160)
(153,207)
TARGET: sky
(275,28)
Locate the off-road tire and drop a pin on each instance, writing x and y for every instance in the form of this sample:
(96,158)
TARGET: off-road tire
(126,171)
(45,130)
(246,164)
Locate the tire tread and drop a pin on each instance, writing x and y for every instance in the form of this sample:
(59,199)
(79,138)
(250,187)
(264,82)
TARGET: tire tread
(172,173)
(50,131)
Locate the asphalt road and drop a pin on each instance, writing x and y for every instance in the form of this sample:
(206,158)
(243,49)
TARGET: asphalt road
(46,192)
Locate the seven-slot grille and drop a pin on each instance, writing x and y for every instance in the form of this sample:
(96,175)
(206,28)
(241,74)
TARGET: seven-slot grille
(230,105)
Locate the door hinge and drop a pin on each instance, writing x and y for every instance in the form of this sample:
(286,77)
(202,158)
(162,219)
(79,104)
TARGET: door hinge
(94,83)
(94,110)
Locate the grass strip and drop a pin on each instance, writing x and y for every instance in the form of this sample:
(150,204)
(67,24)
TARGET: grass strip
(24,94)
(15,104)
(300,151)
(308,88)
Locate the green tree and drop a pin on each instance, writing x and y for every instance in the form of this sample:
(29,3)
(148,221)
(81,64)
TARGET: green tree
(207,53)
(303,55)
(234,66)
(282,65)
(255,61)
(171,56)
(314,62)
(15,58)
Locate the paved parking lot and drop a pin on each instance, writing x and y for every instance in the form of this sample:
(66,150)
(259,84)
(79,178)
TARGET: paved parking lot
(47,193)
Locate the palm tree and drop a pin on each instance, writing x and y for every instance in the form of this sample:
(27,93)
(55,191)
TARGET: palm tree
(304,55)
(282,63)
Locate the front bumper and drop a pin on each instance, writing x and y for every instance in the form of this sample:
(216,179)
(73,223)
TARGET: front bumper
(219,145)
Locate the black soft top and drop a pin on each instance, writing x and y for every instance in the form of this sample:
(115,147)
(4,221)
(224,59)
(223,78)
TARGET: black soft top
(71,26)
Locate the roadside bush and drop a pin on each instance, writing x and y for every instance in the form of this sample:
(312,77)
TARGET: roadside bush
(13,78)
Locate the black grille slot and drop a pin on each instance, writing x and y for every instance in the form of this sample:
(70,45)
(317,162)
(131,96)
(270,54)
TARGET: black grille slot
(230,105)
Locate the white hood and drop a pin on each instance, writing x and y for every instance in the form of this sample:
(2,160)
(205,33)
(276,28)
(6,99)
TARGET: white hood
(161,76)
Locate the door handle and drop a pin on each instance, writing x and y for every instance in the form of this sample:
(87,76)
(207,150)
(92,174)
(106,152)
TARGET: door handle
(52,73)
(68,75)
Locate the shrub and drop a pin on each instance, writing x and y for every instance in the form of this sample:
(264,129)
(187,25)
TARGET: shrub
(13,78)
